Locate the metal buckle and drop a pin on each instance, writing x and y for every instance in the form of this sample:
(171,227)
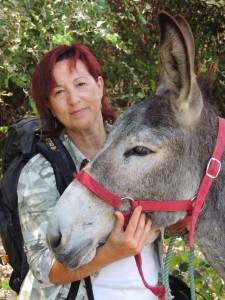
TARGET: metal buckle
(4,260)
(208,165)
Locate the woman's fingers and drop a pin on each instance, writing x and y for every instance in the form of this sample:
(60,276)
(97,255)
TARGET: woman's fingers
(141,233)
(119,222)
(137,225)
(143,226)
(137,230)
(130,241)
(136,220)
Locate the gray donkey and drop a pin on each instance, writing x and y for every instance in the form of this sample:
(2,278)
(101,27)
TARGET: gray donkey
(158,149)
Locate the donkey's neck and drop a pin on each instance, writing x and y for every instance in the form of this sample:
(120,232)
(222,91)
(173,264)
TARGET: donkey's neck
(209,232)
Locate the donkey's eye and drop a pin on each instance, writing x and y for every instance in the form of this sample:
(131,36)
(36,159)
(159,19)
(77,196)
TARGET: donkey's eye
(139,151)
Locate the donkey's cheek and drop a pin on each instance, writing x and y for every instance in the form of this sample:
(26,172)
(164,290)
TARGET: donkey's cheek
(164,219)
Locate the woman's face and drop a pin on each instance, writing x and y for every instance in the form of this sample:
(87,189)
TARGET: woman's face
(76,99)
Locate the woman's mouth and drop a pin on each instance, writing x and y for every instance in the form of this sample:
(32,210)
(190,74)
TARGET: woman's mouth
(78,112)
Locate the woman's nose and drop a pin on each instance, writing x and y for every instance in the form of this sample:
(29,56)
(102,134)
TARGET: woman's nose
(73,97)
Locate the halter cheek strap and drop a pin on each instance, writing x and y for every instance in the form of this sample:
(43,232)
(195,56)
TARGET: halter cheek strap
(212,171)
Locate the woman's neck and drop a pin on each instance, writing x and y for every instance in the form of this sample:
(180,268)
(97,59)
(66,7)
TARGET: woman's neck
(88,141)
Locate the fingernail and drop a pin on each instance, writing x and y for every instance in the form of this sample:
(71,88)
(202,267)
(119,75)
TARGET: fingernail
(140,208)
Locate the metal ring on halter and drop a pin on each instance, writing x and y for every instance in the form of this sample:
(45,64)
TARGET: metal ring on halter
(203,206)
(192,200)
(127,198)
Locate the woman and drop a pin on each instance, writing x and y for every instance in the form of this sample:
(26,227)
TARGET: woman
(68,90)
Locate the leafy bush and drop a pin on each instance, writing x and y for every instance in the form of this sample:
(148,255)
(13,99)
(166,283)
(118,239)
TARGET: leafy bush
(122,34)
(207,281)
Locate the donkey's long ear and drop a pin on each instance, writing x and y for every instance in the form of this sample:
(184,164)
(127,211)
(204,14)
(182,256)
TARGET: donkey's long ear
(186,30)
(177,69)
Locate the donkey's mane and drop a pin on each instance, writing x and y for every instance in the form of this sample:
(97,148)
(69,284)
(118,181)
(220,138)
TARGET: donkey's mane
(206,79)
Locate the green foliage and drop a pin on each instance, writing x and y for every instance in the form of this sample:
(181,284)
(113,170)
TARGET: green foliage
(207,282)
(122,34)
(5,285)
(3,129)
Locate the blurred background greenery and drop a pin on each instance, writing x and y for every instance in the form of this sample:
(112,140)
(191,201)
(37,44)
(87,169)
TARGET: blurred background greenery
(122,34)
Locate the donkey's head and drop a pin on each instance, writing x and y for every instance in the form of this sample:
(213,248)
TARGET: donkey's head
(155,151)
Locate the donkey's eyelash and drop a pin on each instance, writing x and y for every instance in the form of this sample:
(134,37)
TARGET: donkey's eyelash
(138,151)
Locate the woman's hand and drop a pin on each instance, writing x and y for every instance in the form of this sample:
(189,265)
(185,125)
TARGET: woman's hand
(120,244)
(123,243)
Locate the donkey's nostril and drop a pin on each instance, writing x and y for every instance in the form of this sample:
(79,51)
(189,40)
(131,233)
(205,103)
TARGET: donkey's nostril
(55,240)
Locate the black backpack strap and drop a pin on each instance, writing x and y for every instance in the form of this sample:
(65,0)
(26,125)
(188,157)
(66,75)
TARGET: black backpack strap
(57,154)
(75,286)
(65,154)
(89,288)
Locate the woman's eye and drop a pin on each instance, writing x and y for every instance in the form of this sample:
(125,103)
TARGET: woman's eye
(138,151)
(81,84)
(59,92)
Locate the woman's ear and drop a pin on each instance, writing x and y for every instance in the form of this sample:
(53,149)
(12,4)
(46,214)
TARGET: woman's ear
(100,83)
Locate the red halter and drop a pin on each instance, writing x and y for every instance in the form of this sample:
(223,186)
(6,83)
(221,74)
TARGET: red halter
(192,207)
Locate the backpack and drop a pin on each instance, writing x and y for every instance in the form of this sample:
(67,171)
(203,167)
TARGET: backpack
(25,139)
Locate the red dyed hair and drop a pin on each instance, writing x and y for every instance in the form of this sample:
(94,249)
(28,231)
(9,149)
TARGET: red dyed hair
(43,81)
